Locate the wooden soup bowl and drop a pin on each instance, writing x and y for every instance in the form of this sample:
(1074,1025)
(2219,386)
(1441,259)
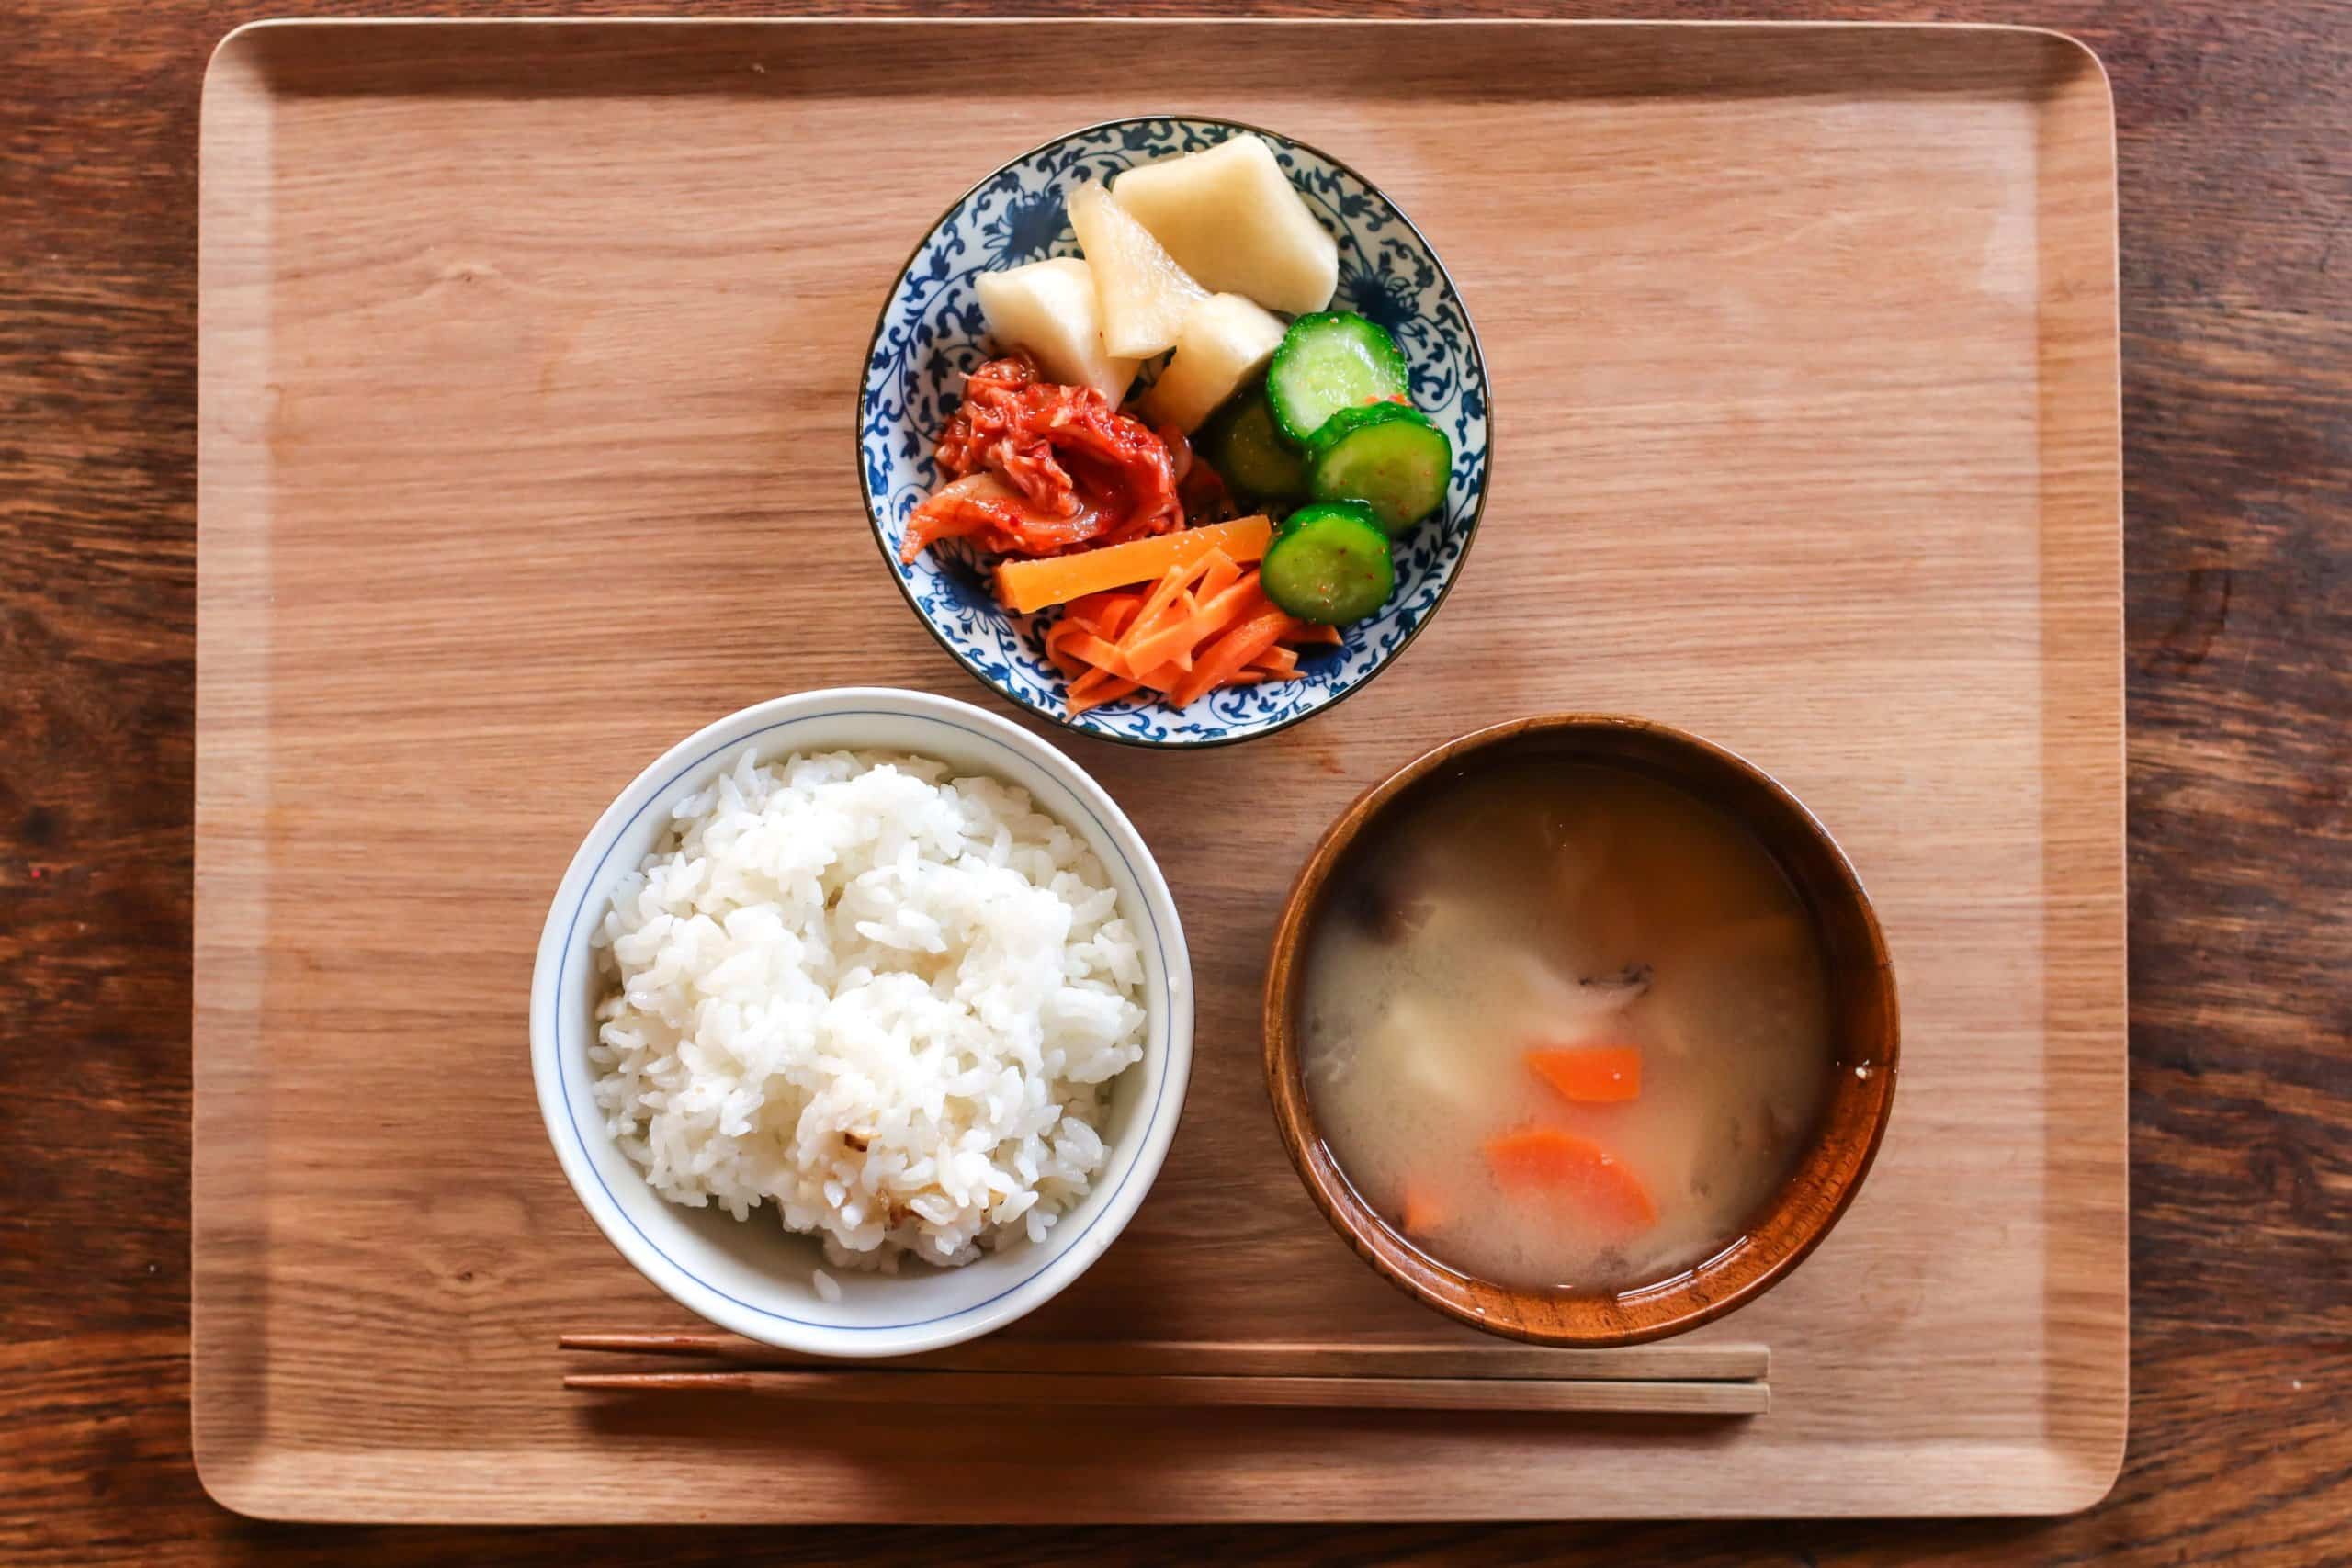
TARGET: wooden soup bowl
(1794,1221)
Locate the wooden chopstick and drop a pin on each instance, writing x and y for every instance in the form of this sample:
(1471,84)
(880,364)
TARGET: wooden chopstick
(878,1386)
(1663,1379)
(1178,1357)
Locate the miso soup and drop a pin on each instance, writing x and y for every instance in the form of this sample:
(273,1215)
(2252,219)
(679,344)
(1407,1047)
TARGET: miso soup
(1565,1025)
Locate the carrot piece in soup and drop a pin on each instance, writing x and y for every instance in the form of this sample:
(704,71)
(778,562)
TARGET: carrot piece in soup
(1550,1160)
(1422,1212)
(1593,1075)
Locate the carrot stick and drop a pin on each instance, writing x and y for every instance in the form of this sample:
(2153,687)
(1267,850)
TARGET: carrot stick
(1095,651)
(1169,626)
(1239,600)
(1162,598)
(1163,680)
(1140,632)
(1173,642)
(1208,607)
(1547,1160)
(1109,689)
(1594,1074)
(1226,657)
(1117,617)
(1027,586)
(1219,571)
(1240,596)
(1092,610)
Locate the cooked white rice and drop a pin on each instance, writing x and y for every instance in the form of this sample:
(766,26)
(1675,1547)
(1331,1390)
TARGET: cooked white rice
(886,1002)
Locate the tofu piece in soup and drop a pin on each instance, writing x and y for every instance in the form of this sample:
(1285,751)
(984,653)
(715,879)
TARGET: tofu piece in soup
(1049,309)
(1225,341)
(1232,217)
(1143,294)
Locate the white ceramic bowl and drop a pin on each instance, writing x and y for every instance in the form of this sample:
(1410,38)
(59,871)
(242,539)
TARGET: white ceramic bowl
(749,1275)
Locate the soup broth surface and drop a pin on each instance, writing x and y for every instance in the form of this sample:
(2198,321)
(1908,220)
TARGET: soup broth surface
(1497,950)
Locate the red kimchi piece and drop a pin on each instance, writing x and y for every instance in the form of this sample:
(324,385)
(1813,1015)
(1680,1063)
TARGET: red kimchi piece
(1041,469)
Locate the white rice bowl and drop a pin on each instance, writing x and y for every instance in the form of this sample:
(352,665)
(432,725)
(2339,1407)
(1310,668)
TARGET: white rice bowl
(882,1000)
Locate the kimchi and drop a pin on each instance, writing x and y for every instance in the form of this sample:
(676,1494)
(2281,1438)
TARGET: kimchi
(1037,468)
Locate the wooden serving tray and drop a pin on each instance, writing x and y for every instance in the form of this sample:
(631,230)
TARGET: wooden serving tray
(528,357)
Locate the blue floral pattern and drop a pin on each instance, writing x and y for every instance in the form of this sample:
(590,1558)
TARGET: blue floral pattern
(932,335)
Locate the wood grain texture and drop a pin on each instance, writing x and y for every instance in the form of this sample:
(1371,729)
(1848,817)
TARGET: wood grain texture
(520,450)
(2233,129)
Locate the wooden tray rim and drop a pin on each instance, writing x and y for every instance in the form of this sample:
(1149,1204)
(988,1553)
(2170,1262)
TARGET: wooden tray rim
(247,1482)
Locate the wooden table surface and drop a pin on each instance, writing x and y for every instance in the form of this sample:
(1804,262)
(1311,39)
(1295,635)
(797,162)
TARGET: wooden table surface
(2234,124)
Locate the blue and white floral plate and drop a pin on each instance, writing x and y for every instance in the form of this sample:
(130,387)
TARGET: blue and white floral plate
(932,335)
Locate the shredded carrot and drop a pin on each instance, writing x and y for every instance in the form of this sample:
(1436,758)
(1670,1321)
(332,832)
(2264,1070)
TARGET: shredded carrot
(1547,1159)
(1167,598)
(1104,613)
(1165,679)
(1225,657)
(1027,586)
(1219,571)
(1203,623)
(1234,598)
(1592,1074)
(1095,650)
(1095,688)
(1119,617)
(1171,642)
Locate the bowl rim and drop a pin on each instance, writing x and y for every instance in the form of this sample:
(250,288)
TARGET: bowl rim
(1068,1254)
(1373,1238)
(1063,721)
